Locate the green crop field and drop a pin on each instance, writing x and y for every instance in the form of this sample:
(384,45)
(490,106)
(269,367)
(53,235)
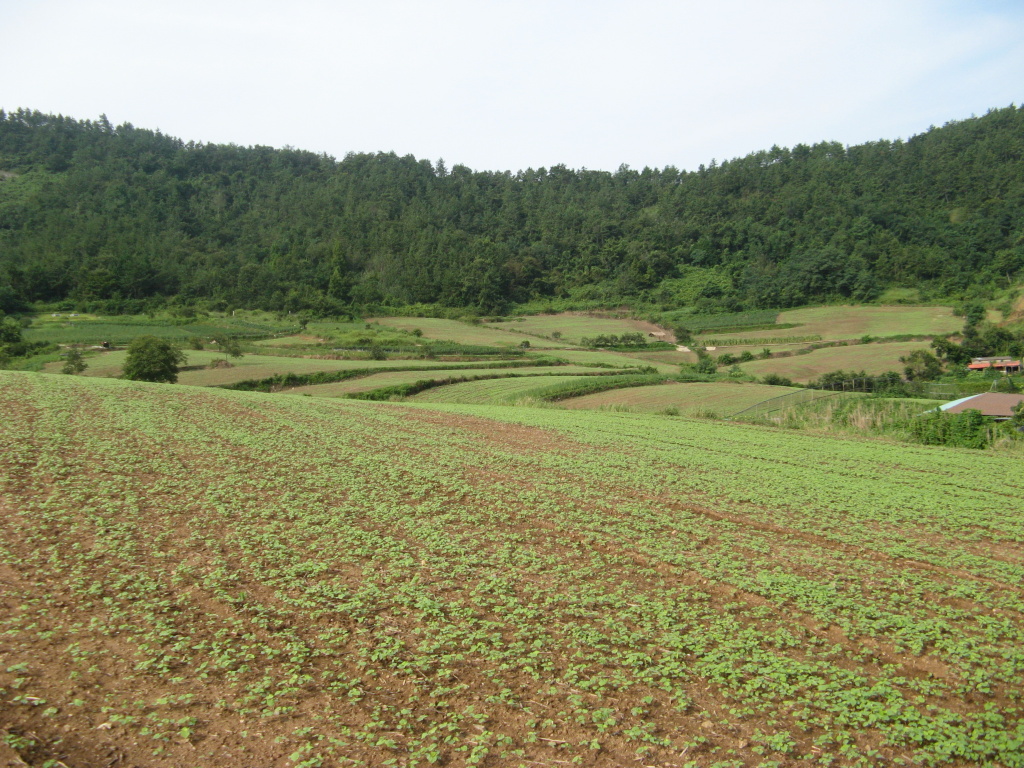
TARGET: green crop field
(616,359)
(109,365)
(722,398)
(196,577)
(836,323)
(574,327)
(462,333)
(493,391)
(91,329)
(871,358)
(394,378)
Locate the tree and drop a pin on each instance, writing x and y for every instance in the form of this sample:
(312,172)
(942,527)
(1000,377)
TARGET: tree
(230,347)
(153,359)
(921,365)
(73,363)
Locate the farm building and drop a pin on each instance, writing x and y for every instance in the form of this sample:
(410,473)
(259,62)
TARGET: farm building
(1004,364)
(998,405)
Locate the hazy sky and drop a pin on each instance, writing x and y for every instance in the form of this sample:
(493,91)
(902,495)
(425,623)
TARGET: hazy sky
(499,85)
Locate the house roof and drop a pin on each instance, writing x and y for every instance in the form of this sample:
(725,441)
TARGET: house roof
(982,363)
(998,404)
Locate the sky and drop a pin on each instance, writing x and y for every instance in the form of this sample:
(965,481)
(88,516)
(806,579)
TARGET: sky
(507,85)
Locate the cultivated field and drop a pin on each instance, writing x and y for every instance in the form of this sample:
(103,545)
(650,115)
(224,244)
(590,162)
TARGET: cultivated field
(722,398)
(93,329)
(493,391)
(395,378)
(194,577)
(616,359)
(462,333)
(110,364)
(574,326)
(871,358)
(838,323)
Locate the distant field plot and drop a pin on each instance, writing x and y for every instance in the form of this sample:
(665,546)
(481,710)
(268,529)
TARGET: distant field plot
(462,333)
(395,378)
(723,398)
(871,358)
(493,391)
(617,359)
(667,357)
(193,577)
(110,364)
(121,330)
(574,327)
(832,323)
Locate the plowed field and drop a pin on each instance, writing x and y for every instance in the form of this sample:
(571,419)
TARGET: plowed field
(191,577)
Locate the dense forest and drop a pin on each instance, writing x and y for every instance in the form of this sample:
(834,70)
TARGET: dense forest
(123,218)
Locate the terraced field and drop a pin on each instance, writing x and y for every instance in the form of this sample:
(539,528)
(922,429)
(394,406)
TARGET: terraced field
(575,326)
(195,577)
(493,391)
(394,378)
(617,359)
(839,323)
(463,333)
(871,358)
(110,364)
(722,398)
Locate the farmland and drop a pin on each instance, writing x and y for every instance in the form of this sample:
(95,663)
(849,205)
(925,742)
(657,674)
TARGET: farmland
(395,378)
(493,586)
(109,365)
(871,358)
(574,327)
(462,333)
(722,398)
(494,391)
(837,323)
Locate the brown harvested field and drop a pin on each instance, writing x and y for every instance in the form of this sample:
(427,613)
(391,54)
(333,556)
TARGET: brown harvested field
(195,577)
(871,358)
(721,398)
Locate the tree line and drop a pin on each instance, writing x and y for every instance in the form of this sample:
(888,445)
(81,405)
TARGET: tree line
(124,218)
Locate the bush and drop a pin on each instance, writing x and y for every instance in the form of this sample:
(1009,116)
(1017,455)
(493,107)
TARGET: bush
(776,381)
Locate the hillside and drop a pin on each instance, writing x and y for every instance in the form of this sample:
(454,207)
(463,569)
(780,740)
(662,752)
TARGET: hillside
(122,218)
(201,577)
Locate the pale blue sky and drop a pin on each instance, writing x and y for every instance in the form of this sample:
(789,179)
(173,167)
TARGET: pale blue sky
(501,85)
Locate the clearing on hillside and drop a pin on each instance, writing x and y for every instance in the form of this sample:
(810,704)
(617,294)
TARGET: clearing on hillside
(196,577)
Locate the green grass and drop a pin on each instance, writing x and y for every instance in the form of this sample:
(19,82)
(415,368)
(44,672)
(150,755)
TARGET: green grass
(722,398)
(871,358)
(237,579)
(575,327)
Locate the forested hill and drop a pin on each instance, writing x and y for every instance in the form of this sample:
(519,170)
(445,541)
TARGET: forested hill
(96,213)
